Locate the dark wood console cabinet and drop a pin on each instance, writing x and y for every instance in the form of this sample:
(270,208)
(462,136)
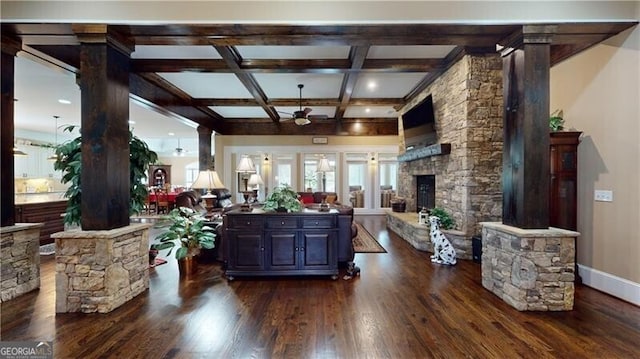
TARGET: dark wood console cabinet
(266,244)
(563,187)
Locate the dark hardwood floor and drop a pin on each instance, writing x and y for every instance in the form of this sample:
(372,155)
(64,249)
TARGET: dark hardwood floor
(402,306)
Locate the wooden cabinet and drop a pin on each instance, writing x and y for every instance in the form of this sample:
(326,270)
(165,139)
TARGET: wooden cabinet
(281,244)
(35,164)
(159,175)
(49,213)
(564,178)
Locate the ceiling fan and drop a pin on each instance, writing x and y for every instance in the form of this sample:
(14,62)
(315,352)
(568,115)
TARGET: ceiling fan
(302,117)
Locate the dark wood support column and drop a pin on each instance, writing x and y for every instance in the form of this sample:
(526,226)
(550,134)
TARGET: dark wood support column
(525,175)
(104,85)
(204,148)
(10,48)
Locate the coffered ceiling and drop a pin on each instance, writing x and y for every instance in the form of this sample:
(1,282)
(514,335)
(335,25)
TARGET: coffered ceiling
(243,79)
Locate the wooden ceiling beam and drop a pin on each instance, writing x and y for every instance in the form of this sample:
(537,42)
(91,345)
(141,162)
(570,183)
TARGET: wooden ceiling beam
(357,56)
(230,56)
(285,66)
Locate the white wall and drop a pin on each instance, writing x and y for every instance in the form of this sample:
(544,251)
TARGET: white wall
(599,91)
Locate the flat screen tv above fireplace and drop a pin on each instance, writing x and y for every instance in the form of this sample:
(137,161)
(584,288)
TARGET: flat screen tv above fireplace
(419,125)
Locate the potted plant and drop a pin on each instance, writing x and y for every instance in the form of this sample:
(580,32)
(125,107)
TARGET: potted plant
(446,221)
(283,199)
(186,229)
(69,161)
(556,121)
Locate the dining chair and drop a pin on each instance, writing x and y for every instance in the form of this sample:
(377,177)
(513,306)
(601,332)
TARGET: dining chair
(162,202)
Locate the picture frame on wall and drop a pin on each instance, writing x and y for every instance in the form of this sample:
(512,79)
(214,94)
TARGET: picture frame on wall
(320,140)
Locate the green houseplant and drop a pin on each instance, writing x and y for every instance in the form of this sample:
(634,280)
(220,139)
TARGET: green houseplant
(446,221)
(556,121)
(283,199)
(69,161)
(186,228)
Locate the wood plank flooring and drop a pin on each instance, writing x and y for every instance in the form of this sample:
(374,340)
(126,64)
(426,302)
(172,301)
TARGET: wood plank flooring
(402,306)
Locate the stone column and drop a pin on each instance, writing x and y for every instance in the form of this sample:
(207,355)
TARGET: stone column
(98,271)
(20,256)
(529,269)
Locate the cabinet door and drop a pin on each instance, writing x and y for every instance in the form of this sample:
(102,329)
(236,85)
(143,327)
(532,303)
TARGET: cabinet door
(246,250)
(282,250)
(318,250)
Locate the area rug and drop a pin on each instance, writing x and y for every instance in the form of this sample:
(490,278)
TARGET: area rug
(365,243)
(48,249)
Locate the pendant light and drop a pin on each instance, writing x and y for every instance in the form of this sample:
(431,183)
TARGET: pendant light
(54,157)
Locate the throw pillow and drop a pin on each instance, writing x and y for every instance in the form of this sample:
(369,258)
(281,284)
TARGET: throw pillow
(331,198)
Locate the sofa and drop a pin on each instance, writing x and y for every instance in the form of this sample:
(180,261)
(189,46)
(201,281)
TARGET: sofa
(316,197)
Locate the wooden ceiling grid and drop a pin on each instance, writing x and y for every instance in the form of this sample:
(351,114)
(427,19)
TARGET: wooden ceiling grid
(59,43)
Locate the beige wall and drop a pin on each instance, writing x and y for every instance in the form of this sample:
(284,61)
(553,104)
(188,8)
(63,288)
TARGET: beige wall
(599,91)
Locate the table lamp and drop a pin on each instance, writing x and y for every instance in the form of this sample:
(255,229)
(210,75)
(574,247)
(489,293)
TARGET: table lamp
(255,181)
(245,167)
(208,180)
(324,167)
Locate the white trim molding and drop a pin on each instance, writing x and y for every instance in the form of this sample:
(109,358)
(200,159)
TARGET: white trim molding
(610,284)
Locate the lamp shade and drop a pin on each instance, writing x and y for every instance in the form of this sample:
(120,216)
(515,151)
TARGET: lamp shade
(17,152)
(255,180)
(246,165)
(323,165)
(207,180)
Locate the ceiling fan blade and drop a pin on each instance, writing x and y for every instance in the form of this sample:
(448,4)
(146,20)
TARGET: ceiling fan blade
(306,110)
(302,121)
(317,117)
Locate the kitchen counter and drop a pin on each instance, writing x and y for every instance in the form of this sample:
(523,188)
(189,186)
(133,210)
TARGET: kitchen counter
(46,208)
(40,197)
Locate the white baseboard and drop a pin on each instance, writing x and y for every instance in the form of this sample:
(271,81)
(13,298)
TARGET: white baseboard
(610,284)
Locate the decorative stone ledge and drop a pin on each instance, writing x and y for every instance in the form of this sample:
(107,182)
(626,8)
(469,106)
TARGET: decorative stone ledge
(98,271)
(20,258)
(406,226)
(433,150)
(530,269)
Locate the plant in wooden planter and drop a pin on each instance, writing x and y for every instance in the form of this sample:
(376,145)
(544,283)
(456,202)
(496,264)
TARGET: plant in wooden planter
(186,229)
(69,161)
(283,199)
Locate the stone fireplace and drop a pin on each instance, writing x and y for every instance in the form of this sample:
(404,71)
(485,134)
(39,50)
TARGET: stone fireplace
(425,192)
(468,106)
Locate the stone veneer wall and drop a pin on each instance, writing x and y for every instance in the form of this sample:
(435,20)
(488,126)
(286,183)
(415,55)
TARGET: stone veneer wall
(20,255)
(530,269)
(98,271)
(468,105)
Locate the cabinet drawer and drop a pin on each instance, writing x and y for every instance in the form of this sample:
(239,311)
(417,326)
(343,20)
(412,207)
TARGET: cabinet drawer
(318,222)
(245,222)
(282,222)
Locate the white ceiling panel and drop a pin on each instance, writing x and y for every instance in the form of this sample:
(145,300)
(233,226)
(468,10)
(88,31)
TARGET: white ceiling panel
(239,111)
(370,111)
(294,52)
(208,85)
(174,52)
(386,85)
(409,52)
(285,111)
(286,85)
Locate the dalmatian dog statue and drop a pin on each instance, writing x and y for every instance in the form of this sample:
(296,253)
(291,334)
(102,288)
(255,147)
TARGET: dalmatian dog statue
(443,251)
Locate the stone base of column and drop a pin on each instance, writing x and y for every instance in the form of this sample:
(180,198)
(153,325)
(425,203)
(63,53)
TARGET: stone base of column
(98,271)
(530,269)
(20,255)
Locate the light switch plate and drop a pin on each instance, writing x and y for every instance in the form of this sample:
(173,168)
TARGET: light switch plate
(603,196)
